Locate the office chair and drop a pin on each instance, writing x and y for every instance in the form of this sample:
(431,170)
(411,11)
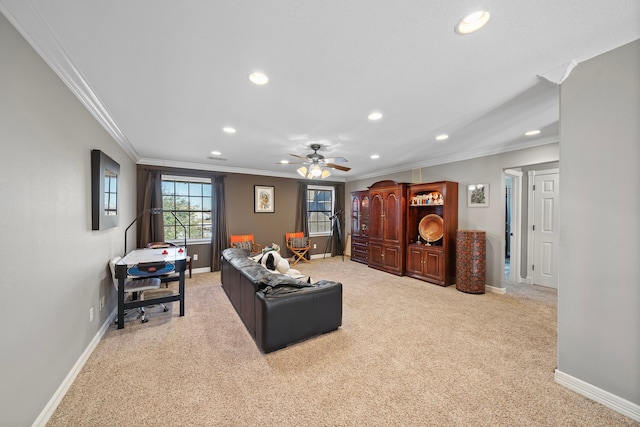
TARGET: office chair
(136,286)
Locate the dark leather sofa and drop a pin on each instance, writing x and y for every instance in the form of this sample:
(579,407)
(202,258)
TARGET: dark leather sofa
(276,309)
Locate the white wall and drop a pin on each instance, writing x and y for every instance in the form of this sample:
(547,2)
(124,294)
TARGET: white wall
(54,267)
(482,170)
(599,293)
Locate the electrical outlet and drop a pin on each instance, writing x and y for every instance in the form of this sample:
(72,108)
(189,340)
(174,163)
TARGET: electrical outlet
(315,246)
(91,314)
(195,257)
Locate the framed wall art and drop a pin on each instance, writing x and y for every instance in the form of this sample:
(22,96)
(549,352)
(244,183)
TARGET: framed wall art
(264,199)
(104,191)
(478,195)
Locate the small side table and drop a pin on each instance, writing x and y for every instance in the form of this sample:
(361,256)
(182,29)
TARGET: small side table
(471,261)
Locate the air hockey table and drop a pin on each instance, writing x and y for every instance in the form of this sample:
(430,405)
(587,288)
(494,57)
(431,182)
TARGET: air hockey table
(145,263)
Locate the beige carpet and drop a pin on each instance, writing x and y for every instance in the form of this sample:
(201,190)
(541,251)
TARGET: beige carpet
(408,353)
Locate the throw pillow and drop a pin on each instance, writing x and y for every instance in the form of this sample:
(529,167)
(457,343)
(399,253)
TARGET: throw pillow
(247,246)
(298,242)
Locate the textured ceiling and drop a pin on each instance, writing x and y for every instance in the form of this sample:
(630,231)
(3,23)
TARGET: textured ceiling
(165,77)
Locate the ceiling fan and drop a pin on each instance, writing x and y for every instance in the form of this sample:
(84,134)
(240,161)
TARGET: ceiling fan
(317,162)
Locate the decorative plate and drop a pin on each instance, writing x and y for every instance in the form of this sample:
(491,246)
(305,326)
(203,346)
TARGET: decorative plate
(431,227)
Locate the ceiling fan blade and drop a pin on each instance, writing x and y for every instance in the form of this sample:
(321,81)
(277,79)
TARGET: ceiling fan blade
(339,167)
(300,157)
(336,160)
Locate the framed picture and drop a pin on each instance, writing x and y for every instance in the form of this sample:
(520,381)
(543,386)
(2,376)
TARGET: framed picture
(478,195)
(104,191)
(263,199)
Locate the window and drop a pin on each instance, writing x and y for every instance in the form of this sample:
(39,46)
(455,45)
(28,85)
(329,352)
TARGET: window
(110,192)
(190,200)
(319,209)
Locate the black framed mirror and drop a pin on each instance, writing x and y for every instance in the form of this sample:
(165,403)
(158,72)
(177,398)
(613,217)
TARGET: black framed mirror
(104,191)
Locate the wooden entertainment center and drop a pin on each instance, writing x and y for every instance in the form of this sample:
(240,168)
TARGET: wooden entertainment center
(407,229)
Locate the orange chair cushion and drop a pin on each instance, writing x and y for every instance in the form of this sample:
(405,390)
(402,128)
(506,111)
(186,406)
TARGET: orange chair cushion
(237,238)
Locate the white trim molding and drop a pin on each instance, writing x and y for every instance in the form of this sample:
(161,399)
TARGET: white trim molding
(592,392)
(495,290)
(55,400)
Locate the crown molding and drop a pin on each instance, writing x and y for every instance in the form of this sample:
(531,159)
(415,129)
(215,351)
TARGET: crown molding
(39,34)
(228,169)
(467,155)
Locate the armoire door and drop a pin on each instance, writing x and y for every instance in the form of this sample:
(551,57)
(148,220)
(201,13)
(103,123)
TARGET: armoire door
(376,217)
(392,218)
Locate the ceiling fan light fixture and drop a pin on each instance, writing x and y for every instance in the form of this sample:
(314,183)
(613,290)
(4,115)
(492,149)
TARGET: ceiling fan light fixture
(319,167)
(472,22)
(315,171)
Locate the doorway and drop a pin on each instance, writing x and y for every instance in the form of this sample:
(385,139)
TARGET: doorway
(512,225)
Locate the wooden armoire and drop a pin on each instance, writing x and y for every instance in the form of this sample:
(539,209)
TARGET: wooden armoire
(407,229)
(387,219)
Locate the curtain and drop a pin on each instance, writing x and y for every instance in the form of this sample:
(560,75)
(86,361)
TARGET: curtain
(301,209)
(219,233)
(337,241)
(302,223)
(151,227)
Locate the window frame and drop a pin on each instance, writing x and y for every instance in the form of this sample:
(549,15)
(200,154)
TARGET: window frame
(333,202)
(190,180)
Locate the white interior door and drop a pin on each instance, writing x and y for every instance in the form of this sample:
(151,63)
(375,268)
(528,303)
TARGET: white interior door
(546,235)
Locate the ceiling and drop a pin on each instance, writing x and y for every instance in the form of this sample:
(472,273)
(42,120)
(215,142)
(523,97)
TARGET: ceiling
(165,77)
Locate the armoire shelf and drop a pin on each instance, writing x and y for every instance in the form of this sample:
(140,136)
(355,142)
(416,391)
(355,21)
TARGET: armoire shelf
(435,261)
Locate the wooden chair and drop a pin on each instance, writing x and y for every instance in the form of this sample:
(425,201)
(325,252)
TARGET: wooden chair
(299,244)
(157,245)
(244,241)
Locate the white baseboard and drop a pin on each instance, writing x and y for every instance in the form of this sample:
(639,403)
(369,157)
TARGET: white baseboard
(199,270)
(495,290)
(592,392)
(55,400)
(316,256)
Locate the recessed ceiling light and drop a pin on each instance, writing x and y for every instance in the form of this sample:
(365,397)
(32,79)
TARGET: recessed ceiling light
(229,129)
(216,153)
(472,22)
(375,156)
(442,137)
(284,162)
(532,132)
(258,78)
(376,115)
